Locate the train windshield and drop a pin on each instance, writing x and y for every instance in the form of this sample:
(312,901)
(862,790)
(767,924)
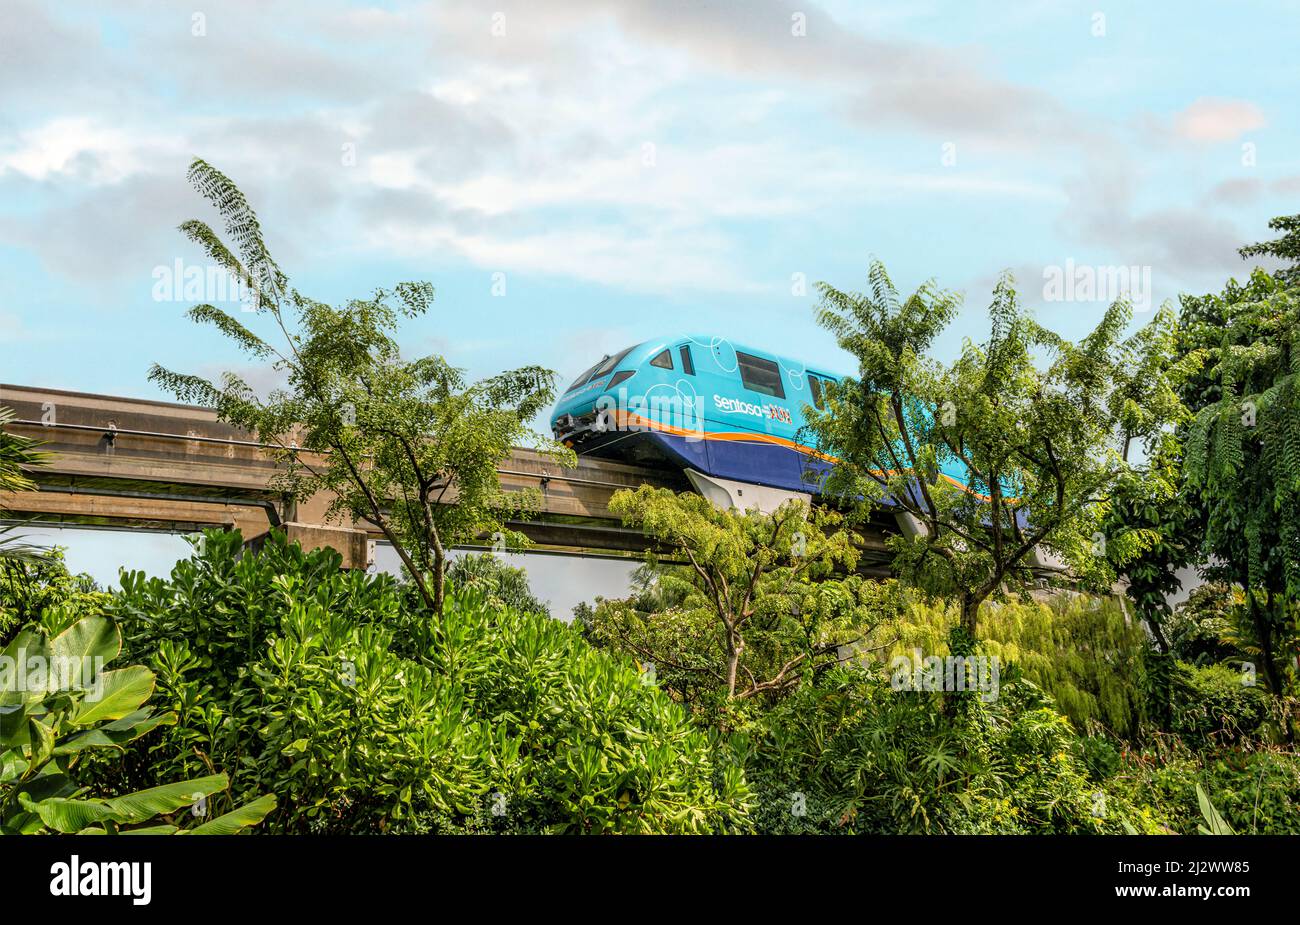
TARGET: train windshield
(583,378)
(603,368)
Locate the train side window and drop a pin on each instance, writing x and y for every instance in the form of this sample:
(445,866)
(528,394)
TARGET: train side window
(663,359)
(816,385)
(760,375)
(688,362)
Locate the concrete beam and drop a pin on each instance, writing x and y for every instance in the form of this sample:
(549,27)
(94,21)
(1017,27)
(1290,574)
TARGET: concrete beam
(116,460)
(158,465)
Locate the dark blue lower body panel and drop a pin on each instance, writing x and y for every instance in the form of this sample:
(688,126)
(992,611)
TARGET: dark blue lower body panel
(757,462)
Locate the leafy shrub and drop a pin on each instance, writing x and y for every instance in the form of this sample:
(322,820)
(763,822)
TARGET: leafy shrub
(41,590)
(57,705)
(502,584)
(1202,629)
(1212,705)
(866,758)
(1100,756)
(1257,791)
(339,693)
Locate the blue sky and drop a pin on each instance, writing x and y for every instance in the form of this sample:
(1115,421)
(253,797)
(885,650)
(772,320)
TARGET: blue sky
(626,167)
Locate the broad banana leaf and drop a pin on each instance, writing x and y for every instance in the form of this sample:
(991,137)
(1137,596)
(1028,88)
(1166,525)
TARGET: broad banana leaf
(67,816)
(76,815)
(91,637)
(115,734)
(152,830)
(49,782)
(145,804)
(118,694)
(237,819)
(42,741)
(26,645)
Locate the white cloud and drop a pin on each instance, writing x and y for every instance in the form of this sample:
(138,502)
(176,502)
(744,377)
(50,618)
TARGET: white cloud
(1213,119)
(96,153)
(527,152)
(757,180)
(652,260)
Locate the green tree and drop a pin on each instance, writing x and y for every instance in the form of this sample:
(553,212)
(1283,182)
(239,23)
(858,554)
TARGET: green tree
(1040,447)
(409,447)
(1151,528)
(1202,630)
(655,625)
(1243,453)
(43,590)
(764,601)
(1286,248)
(501,584)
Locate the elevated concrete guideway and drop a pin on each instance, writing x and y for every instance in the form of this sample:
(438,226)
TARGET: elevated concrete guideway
(134,463)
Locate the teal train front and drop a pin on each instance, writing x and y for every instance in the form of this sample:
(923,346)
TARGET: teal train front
(705,405)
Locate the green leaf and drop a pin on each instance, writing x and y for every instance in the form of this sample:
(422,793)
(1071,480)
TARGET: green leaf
(237,819)
(42,741)
(69,816)
(1214,823)
(145,804)
(151,830)
(118,693)
(116,734)
(28,643)
(92,637)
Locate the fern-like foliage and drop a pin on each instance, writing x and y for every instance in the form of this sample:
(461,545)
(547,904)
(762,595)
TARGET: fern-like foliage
(1243,447)
(1286,248)
(408,447)
(18,455)
(1015,445)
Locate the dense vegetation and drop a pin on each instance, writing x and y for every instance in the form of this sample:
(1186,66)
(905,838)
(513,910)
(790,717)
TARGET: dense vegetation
(278,673)
(340,693)
(753,680)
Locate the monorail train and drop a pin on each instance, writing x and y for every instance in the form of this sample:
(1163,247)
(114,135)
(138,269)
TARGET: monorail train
(728,415)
